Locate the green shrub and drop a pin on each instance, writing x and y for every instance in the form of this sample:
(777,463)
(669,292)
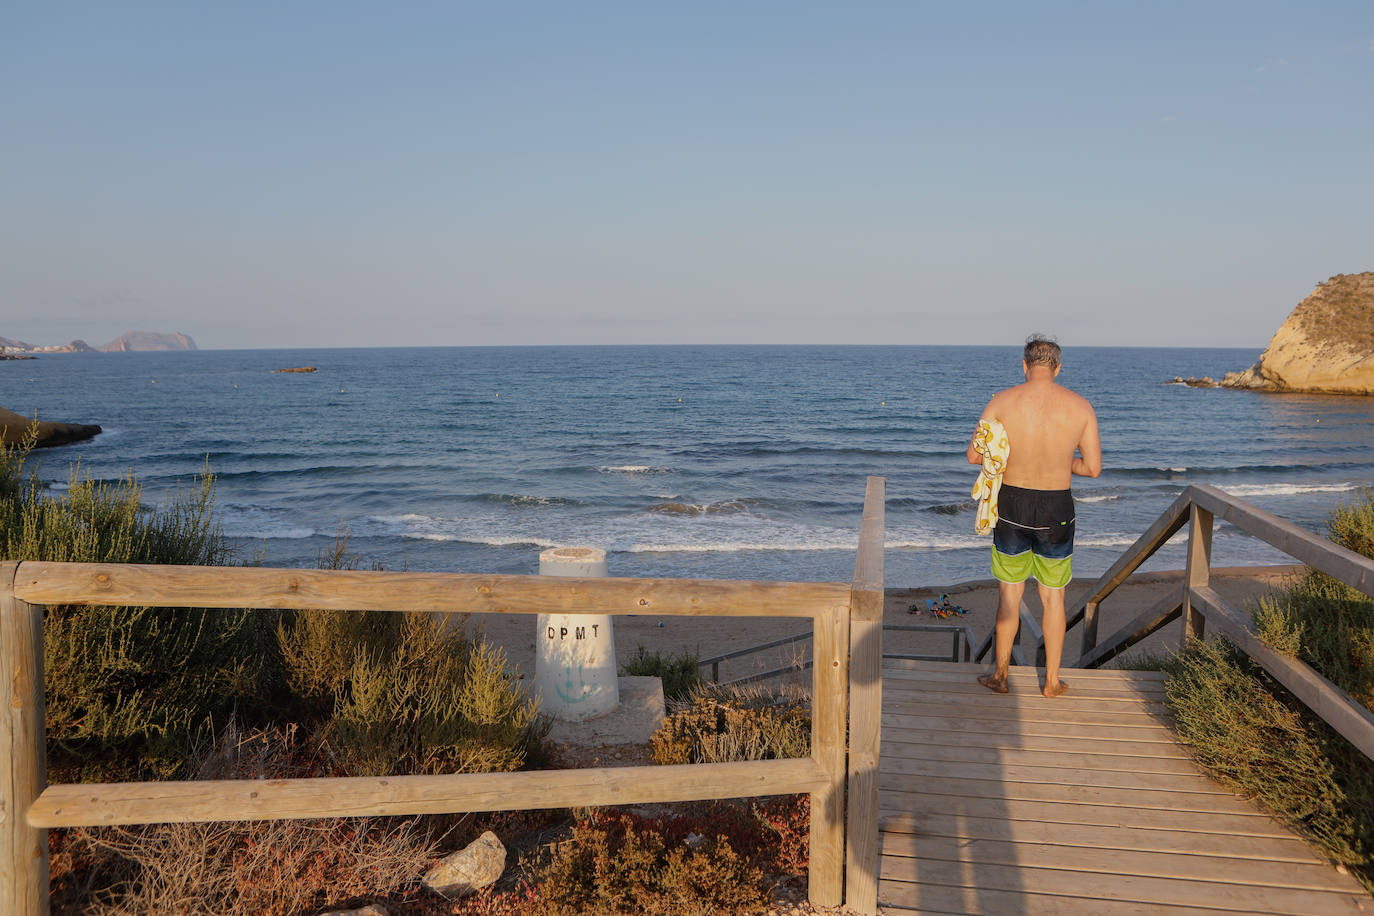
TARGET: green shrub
(617,865)
(1255,736)
(127,687)
(717,724)
(680,673)
(393,693)
(1232,714)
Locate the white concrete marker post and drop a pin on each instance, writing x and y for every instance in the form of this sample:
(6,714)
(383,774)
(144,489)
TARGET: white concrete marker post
(575,671)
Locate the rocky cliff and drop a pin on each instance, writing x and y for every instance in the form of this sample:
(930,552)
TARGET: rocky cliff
(1325,346)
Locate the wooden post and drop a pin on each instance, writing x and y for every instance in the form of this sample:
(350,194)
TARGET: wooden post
(1199,570)
(829,681)
(1089,627)
(866,705)
(23,849)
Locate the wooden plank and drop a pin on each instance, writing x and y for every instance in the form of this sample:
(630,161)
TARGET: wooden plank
(1071,776)
(96,804)
(1312,549)
(1061,838)
(908,742)
(23,849)
(992,850)
(829,718)
(987,785)
(1152,891)
(1003,756)
(974,668)
(1169,523)
(903,812)
(1333,705)
(1036,709)
(1198,571)
(1154,734)
(1160,614)
(975,696)
(257,587)
(907,897)
(865,705)
(1082,687)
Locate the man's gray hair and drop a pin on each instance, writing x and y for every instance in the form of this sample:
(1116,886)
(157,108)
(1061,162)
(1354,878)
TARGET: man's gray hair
(1042,351)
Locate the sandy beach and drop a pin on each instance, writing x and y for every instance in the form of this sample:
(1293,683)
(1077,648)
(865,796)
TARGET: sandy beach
(706,637)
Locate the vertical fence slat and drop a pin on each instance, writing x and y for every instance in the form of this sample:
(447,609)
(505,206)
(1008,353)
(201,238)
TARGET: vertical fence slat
(1199,569)
(1089,627)
(829,684)
(23,849)
(866,705)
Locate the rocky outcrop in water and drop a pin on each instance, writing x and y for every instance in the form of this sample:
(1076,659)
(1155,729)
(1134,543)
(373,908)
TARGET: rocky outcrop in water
(14,427)
(1326,346)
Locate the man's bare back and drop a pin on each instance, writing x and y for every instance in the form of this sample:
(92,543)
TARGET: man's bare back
(1046,424)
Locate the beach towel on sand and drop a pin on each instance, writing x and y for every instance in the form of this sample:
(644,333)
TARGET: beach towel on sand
(990,442)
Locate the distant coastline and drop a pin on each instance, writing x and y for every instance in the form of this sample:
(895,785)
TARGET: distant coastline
(128,342)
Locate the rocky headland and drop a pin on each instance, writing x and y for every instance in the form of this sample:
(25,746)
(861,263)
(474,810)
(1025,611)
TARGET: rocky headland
(14,427)
(128,342)
(1325,347)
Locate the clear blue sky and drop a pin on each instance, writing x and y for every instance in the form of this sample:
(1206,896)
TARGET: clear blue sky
(341,174)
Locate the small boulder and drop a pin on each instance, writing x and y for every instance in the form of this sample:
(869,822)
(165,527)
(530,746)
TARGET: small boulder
(470,869)
(372,909)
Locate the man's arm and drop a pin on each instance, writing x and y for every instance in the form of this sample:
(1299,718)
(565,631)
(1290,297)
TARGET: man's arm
(974,456)
(1088,462)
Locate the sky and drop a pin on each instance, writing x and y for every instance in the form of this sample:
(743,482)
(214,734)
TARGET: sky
(407,174)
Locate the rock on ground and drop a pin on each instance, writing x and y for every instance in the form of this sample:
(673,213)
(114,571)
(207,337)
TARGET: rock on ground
(470,869)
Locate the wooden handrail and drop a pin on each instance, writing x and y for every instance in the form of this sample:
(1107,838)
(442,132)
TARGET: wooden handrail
(26,587)
(1169,523)
(1197,601)
(95,804)
(865,703)
(347,590)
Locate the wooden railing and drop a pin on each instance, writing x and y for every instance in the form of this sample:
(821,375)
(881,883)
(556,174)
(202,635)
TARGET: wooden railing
(838,613)
(1198,604)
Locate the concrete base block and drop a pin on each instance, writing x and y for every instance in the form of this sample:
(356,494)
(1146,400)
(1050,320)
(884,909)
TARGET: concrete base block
(638,716)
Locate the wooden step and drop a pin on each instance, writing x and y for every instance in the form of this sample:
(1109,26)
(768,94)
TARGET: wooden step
(898,873)
(1108,743)
(903,812)
(972,787)
(1160,839)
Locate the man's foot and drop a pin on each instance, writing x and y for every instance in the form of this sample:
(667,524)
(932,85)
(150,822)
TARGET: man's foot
(993,682)
(1058,688)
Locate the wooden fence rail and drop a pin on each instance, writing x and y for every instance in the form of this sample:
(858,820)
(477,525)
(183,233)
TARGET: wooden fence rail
(1198,604)
(28,806)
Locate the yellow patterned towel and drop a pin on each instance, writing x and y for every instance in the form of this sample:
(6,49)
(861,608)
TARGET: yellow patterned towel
(991,442)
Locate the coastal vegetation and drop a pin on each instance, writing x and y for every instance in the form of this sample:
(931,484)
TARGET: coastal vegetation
(1253,735)
(167,693)
(679,672)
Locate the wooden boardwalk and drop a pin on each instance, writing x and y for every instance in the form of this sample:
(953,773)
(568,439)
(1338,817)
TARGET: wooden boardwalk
(1085,804)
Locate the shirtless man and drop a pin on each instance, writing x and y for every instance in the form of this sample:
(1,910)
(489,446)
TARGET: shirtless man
(1053,435)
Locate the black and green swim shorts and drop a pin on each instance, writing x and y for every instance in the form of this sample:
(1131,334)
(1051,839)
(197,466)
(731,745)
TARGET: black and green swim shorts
(1033,536)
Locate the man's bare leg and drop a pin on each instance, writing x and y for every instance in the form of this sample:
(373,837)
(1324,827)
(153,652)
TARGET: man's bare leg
(1008,620)
(1052,622)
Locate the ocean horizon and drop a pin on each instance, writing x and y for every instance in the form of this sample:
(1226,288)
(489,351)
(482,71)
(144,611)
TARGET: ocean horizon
(720,461)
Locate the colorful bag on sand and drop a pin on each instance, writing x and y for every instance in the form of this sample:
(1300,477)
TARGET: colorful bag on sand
(991,442)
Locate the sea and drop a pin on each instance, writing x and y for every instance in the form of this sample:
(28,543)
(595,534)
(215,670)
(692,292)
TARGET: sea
(736,462)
